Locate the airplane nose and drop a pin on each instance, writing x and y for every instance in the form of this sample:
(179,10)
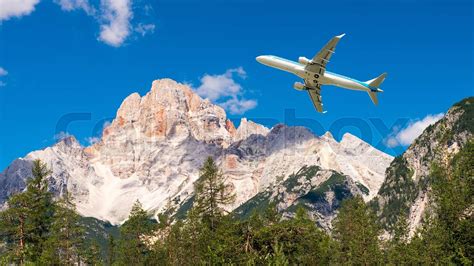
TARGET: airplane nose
(260,58)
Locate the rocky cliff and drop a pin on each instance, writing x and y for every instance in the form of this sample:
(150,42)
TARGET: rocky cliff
(153,149)
(405,190)
(319,191)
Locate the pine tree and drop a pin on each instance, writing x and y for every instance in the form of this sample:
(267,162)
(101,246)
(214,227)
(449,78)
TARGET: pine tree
(278,258)
(211,194)
(14,228)
(90,254)
(41,209)
(174,245)
(67,234)
(298,238)
(195,238)
(26,224)
(398,250)
(356,232)
(134,246)
(111,247)
(271,214)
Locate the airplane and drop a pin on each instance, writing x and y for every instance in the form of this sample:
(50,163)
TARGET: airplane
(314,74)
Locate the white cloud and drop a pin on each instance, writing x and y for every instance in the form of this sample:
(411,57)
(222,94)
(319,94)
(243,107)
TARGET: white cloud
(144,29)
(70,5)
(214,87)
(405,136)
(238,106)
(3,72)
(225,91)
(16,8)
(113,16)
(116,18)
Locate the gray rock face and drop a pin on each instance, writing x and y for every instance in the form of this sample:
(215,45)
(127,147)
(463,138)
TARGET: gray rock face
(153,149)
(407,183)
(317,190)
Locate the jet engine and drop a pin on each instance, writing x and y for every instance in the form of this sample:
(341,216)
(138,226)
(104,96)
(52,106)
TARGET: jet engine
(299,86)
(303,60)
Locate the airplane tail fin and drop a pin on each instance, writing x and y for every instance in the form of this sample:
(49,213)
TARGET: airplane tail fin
(375,83)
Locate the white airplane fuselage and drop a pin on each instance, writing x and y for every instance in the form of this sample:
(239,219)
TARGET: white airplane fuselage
(327,78)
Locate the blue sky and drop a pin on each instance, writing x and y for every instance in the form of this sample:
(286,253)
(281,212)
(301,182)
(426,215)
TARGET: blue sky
(78,56)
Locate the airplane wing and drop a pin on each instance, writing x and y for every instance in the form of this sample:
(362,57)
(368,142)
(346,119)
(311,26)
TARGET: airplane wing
(315,95)
(320,60)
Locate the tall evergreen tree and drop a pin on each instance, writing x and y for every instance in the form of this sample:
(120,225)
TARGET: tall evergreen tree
(195,238)
(174,245)
(356,232)
(91,253)
(41,209)
(278,258)
(111,249)
(398,250)
(298,238)
(134,247)
(67,234)
(14,229)
(26,223)
(211,194)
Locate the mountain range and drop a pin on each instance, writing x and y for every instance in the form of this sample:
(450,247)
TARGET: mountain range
(153,149)
(152,152)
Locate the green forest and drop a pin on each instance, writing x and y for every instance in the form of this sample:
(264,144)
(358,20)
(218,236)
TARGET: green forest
(37,229)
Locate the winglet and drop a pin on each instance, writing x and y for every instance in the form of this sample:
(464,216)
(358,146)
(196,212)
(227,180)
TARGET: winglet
(340,36)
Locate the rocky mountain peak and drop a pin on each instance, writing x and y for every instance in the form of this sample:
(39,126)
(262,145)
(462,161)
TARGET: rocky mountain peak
(153,149)
(68,145)
(328,135)
(349,139)
(68,141)
(247,128)
(170,110)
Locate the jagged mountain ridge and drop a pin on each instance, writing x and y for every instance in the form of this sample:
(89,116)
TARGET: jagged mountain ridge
(405,190)
(154,147)
(319,191)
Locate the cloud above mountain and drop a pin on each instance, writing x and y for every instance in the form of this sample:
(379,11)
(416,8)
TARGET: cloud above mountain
(224,90)
(115,26)
(15,8)
(405,136)
(113,16)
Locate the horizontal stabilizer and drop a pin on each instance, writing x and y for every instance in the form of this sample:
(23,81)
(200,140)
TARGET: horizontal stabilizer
(376,82)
